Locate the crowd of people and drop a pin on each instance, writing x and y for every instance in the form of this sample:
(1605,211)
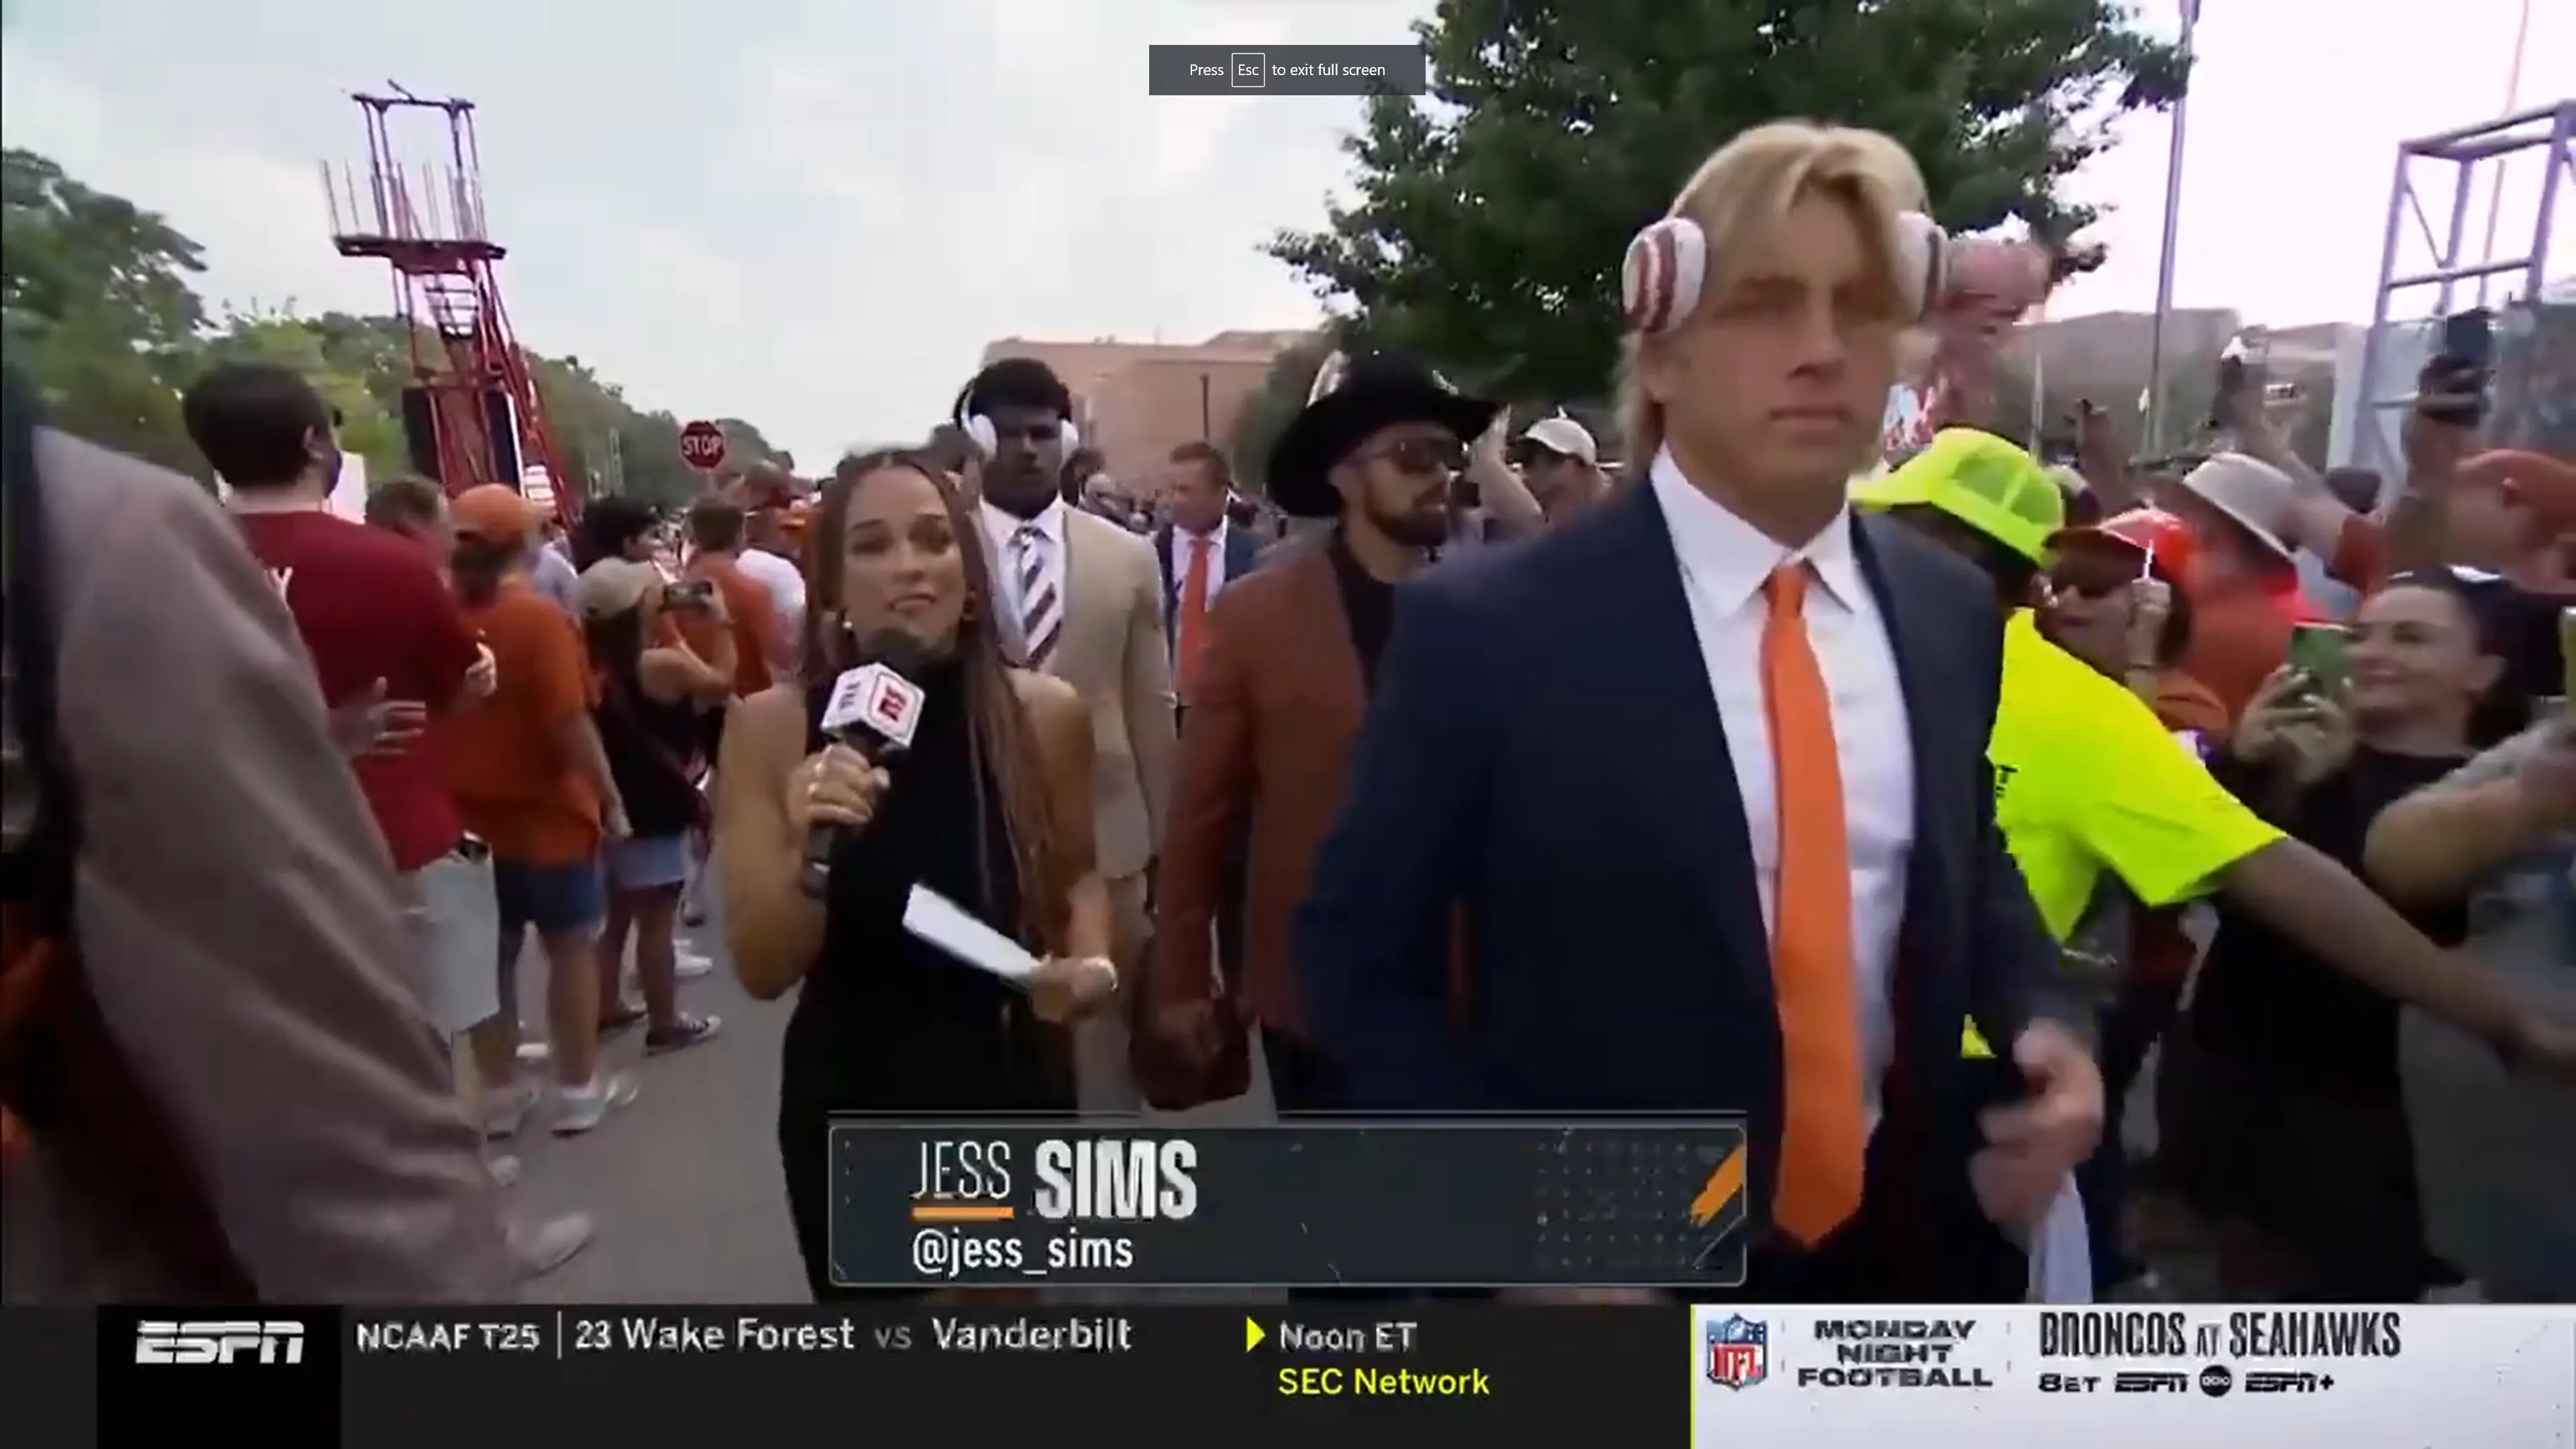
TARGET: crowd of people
(1909,806)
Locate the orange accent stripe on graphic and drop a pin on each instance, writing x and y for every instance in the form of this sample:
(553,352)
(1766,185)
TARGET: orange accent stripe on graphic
(1723,1187)
(962,1213)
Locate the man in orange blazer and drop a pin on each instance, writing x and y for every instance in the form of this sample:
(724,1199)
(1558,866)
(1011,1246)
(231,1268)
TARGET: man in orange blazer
(1290,652)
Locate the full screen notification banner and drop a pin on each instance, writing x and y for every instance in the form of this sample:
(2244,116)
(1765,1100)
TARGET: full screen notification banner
(1352,1203)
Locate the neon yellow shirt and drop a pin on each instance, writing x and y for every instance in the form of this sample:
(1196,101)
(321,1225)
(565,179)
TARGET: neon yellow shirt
(2095,797)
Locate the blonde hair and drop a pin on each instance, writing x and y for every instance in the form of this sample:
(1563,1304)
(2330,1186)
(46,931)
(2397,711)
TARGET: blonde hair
(1754,180)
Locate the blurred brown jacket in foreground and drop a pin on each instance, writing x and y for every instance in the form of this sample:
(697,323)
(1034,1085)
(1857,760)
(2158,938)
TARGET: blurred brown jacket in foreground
(239,931)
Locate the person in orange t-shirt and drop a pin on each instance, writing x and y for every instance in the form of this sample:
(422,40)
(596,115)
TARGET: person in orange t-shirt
(760,646)
(2244,580)
(716,539)
(532,781)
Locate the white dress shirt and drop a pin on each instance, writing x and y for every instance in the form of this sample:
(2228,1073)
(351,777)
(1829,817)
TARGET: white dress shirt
(1724,561)
(1001,537)
(1181,546)
(784,581)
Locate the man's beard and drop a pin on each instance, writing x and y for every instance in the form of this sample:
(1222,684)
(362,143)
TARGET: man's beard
(1411,527)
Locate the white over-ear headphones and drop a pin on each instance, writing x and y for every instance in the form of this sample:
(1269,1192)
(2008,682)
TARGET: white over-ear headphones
(980,431)
(1667,266)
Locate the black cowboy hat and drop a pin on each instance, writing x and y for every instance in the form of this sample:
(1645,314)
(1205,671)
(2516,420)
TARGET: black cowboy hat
(1354,398)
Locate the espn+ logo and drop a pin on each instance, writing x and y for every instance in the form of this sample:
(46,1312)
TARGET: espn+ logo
(218,1341)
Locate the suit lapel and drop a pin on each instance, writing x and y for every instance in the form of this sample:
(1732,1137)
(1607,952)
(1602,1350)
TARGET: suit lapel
(1672,717)
(1892,570)
(1171,582)
(1318,635)
(1081,581)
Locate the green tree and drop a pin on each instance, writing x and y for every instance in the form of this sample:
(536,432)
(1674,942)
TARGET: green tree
(96,306)
(1488,227)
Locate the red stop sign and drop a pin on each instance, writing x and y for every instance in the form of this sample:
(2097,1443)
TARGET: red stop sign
(702,446)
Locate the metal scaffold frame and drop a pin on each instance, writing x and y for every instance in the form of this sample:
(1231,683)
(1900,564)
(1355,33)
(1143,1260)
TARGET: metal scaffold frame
(2524,266)
(426,222)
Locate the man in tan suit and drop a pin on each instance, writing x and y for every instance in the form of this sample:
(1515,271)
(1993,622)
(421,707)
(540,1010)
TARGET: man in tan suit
(1083,598)
(240,939)
(1275,705)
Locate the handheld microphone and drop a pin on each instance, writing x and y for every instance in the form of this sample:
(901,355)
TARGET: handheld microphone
(874,709)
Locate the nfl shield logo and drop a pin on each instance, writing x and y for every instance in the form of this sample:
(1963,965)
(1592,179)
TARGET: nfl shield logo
(1738,1352)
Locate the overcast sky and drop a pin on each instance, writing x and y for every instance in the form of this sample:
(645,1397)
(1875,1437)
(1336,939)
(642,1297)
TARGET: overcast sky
(814,215)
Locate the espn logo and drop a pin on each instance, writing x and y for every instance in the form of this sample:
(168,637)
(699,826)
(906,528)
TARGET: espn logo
(214,1341)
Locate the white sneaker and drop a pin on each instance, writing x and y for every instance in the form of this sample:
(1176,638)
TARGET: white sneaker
(505,1170)
(690,963)
(535,1054)
(549,1245)
(578,1109)
(505,1109)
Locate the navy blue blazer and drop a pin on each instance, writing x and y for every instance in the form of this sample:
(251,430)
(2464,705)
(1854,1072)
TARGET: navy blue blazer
(1544,748)
(1242,555)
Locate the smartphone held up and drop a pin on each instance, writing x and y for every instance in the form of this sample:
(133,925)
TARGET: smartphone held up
(2322,655)
(2454,386)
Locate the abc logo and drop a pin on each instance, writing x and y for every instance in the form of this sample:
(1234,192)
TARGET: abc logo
(2215,1380)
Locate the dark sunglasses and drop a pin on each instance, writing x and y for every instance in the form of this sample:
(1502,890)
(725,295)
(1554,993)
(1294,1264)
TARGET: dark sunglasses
(1421,457)
(2098,573)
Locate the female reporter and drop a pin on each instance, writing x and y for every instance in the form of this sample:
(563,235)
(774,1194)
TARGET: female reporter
(990,807)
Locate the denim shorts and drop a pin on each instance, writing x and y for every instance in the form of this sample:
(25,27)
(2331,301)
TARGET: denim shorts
(648,862)
(552,898)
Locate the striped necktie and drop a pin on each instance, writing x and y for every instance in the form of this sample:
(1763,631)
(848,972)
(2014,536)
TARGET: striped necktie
(1041,612)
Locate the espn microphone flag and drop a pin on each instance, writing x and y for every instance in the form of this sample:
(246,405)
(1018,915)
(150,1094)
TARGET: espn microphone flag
(877,699)
(871,701)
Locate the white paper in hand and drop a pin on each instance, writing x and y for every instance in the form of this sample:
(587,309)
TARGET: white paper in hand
(945,924)
(876,699)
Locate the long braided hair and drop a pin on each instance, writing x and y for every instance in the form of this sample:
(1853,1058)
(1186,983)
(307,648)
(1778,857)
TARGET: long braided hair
(1003,744)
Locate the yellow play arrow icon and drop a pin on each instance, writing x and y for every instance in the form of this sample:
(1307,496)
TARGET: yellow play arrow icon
(1252,1335)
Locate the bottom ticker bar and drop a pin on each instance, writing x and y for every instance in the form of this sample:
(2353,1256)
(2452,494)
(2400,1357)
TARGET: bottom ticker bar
(1251,1375)
(1352,1371)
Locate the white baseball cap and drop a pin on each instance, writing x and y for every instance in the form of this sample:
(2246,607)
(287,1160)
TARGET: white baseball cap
(2258,496)
(1566,438)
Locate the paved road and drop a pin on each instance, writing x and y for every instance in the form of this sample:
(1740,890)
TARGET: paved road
(685,1182)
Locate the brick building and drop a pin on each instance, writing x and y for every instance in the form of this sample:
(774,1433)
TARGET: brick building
(1136,401)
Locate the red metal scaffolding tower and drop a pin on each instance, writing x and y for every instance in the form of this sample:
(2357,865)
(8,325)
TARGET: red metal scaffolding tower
(471,413)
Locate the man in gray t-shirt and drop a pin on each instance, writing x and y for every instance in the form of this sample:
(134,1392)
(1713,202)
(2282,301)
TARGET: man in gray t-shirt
(2497,1178)
(2525,912)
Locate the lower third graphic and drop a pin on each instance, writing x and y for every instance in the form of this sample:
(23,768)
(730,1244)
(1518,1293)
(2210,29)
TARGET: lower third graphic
(1739,1352)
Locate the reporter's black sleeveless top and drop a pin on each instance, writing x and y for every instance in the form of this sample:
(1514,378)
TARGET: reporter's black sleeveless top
(884,1021)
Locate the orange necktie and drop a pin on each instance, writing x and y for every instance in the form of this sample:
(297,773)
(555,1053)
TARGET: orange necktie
(1194,586)
(1825,1132)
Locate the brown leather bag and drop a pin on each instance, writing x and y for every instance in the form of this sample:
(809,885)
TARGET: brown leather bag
(1171,1082)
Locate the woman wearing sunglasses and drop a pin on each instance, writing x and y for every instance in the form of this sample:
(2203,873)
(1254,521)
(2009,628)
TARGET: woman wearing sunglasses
(2115,599)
